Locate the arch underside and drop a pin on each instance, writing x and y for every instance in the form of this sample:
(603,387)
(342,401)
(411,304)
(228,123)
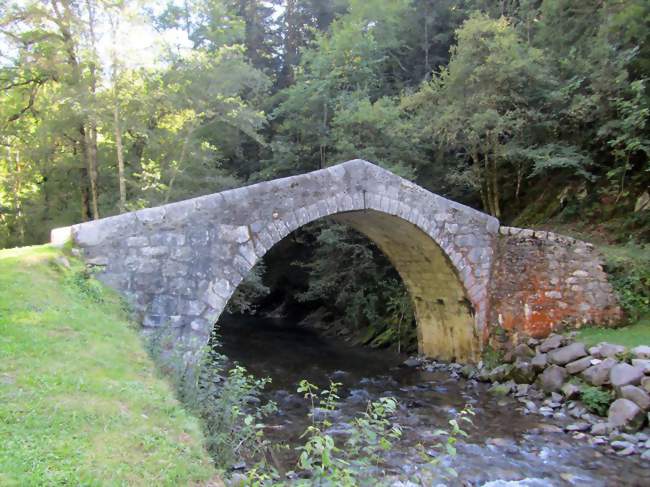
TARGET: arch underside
(444,314)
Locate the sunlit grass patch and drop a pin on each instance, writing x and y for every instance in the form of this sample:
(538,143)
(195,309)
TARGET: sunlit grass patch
(80,403)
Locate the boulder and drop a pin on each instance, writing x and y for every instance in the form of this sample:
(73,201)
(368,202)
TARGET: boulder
(645,384)
(551,343)
(642,351)
(637,395)
(624,374)
(500,373)
(523,372)
(606,350)
(626,415)
(552,379)
(539,362)
(579,365)
(570,353)
(522,352)
(570,391)
(643,364)
(598,375)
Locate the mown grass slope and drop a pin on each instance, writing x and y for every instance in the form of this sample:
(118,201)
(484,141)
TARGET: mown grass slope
(80,402)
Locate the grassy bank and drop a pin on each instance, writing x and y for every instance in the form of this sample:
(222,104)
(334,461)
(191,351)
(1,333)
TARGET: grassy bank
(630,336)
(80,403)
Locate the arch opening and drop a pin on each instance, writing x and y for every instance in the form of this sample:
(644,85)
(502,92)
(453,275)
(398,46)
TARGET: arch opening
(444,315)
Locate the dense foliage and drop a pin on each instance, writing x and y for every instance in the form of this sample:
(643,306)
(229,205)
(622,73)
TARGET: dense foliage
(112,106)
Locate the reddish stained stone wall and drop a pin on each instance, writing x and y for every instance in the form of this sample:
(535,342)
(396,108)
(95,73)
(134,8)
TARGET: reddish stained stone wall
(542,280)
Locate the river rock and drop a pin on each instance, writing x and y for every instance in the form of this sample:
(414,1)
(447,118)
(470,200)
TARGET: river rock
(646,456)
(579,365)
(570,391)
(598,375)
(642,351)
(552,379)
(412,362)
(580,426)
(522,390)
(539,362)
(643,364)
(500,373)
(602,429)
(500,389)
(621,445)
(637,395)
(626,415)
(606,350)
(551,343)
(522,352)
(624,374)
(522,373)
(645,384)
(564,355)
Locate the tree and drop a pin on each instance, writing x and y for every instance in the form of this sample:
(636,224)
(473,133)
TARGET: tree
(485,102)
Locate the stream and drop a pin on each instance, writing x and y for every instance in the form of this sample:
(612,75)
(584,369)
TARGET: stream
(504,447)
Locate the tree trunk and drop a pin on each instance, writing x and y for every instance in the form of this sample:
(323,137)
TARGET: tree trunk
(116,117)
(91,132)
(120,157)
(91,163)
(487,181)
(85,179)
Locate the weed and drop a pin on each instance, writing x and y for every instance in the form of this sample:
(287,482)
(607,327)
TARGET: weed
(596,399)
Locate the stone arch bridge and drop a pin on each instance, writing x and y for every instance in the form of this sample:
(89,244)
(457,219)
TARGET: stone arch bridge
(468,276)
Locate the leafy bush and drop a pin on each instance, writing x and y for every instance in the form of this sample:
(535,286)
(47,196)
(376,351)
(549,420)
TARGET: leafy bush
(629,270)
(83,282)
(372,433)
(232,414)
(596,399)
(448,446)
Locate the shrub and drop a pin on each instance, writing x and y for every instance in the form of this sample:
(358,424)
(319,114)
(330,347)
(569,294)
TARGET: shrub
(83,282)
(629,271)
(596,399)
(228,403)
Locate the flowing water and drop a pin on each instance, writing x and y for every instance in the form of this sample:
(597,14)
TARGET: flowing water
(504,444)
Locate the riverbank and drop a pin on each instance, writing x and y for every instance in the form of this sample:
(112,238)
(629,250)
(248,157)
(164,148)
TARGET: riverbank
(80,402)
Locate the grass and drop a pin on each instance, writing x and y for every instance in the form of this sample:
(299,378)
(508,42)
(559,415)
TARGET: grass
(629,336)
(80,402)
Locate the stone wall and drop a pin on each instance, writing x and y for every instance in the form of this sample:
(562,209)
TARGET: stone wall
(542,280)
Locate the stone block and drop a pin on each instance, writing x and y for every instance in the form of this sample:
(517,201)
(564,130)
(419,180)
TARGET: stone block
(637,395)
(552,379)
(625,414)
(598,375)
(569,353)
(625,374)
(579,365)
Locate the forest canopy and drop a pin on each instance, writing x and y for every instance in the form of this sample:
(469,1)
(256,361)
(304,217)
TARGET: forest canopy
(111,106)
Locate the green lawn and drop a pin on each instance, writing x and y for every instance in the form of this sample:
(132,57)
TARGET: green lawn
(80,403)
(630,336)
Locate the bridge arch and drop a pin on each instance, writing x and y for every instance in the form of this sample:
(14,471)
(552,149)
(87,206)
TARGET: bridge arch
(180,263)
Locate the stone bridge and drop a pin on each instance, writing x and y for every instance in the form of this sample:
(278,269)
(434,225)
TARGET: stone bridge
(468,276)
